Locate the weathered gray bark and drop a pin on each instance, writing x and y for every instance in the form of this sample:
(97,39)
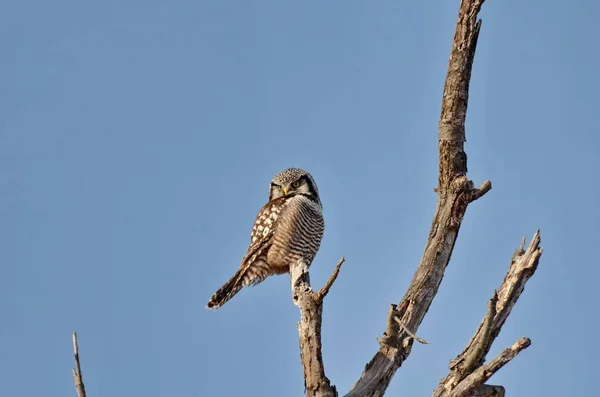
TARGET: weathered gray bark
(309,328)
(468,371)
(490,391)
(455,192)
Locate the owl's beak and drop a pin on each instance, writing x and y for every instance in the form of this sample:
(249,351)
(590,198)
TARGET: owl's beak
(285,190)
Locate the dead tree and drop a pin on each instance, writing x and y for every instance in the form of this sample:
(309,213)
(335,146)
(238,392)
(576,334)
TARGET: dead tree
(469,371)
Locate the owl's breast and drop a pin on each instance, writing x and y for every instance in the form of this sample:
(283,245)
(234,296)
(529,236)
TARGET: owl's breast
(298,233)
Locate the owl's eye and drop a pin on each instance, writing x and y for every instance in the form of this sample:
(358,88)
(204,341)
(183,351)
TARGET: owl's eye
(296,184)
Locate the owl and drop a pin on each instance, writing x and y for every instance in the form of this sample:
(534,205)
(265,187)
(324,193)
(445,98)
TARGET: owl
(287,229)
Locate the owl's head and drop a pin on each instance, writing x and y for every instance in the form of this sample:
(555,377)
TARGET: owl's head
(292,182)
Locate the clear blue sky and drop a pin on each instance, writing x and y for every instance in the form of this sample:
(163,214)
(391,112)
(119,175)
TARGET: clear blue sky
(138,139)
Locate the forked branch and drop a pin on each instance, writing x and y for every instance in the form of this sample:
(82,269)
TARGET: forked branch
(455,192)
(470,385)
(461,378)
(309,328)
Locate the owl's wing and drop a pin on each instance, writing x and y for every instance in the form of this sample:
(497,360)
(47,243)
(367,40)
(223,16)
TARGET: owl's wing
(254,268)
(256,249)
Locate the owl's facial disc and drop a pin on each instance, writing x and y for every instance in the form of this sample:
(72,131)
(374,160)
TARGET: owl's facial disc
(292,182)
(289,189)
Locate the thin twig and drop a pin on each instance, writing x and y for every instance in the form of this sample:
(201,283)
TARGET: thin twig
(471,383)
(405,329)
(323,291)
(455,192)
(77,375)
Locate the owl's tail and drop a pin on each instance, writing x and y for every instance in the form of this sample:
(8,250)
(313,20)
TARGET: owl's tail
(226,292)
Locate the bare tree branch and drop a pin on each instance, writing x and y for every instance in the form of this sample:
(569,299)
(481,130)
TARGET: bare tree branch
(454,191)
(415,337)
(77,375)
(471,384)
(474,357)
(323,292)
(309,329)
(522,266)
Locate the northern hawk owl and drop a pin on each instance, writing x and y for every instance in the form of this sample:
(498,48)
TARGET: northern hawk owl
(287,229)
